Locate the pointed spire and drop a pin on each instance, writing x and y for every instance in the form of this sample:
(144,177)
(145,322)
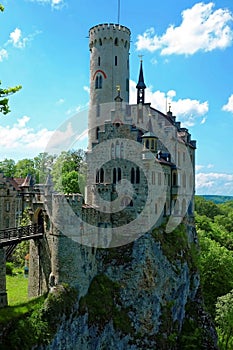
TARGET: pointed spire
(141,86)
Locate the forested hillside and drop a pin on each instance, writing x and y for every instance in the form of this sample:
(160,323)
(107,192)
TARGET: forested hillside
(214,224)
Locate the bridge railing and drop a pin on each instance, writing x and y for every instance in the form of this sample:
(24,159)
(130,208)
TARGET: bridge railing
(20,233)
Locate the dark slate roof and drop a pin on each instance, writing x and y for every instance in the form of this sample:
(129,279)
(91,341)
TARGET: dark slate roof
(141,84)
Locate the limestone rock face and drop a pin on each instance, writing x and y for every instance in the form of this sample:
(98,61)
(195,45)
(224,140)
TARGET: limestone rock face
(144,295)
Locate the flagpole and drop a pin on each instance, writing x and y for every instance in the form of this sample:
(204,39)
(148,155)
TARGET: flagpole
(118,17)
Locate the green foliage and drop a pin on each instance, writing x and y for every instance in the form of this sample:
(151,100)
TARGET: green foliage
(43,163)
(19,310)
(7,166)
(40,323)
(174,244)
(102,302)
(216,267)
(25,167)
(206,208)
(65,171)
(70,182)
(9,268)
(224,320)
(4,93)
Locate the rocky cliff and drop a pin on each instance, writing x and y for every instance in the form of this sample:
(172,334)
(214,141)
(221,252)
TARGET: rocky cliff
(144,295)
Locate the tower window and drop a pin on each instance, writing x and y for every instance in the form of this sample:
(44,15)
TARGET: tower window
(116,42)
(100,81)
(114,176)
(132,176)
(100,42)
(97,82)
(98,61)
(115,60)
(101,175)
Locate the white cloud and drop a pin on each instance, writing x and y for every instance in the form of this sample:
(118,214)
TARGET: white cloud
(187,111)
(87,89)
(229,106)
(60,101)
(20,138)
(55,4)
(3,54)
(202,29)
(214,183)
(199,167)
(18,41)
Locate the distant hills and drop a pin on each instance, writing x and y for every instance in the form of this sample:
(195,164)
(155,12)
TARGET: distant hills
(217,199)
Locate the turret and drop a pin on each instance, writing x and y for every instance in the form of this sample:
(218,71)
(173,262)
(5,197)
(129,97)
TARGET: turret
(109,62)
(141,86)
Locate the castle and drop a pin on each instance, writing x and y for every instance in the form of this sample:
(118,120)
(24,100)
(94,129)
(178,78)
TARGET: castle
(140,174)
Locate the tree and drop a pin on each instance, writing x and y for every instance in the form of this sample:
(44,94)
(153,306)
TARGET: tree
(67,164)
(224,320)
(4,93)
(207,208)
(43,163)
(7,166)
(216,268)
(25,167)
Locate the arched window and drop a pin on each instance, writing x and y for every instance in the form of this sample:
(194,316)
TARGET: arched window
(97,82)
(126,43)
(117,149)
(152,144)
(100,42)
(115,60)
(97,176)
(100,82)
(119,174)
(116,42)
(114,176)
(132,176)
(101,175)
(137,175)
(99,61)
(147,144)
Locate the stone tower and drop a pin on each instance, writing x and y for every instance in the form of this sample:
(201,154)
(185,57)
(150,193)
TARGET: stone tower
(109,69)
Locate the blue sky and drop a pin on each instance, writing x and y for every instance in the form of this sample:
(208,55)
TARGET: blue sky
(187,47)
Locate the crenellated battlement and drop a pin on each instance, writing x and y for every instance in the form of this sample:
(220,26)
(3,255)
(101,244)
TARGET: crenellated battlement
(108,27)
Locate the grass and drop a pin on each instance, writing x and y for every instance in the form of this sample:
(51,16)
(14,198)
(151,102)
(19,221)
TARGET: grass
(17,288)
(15,311)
